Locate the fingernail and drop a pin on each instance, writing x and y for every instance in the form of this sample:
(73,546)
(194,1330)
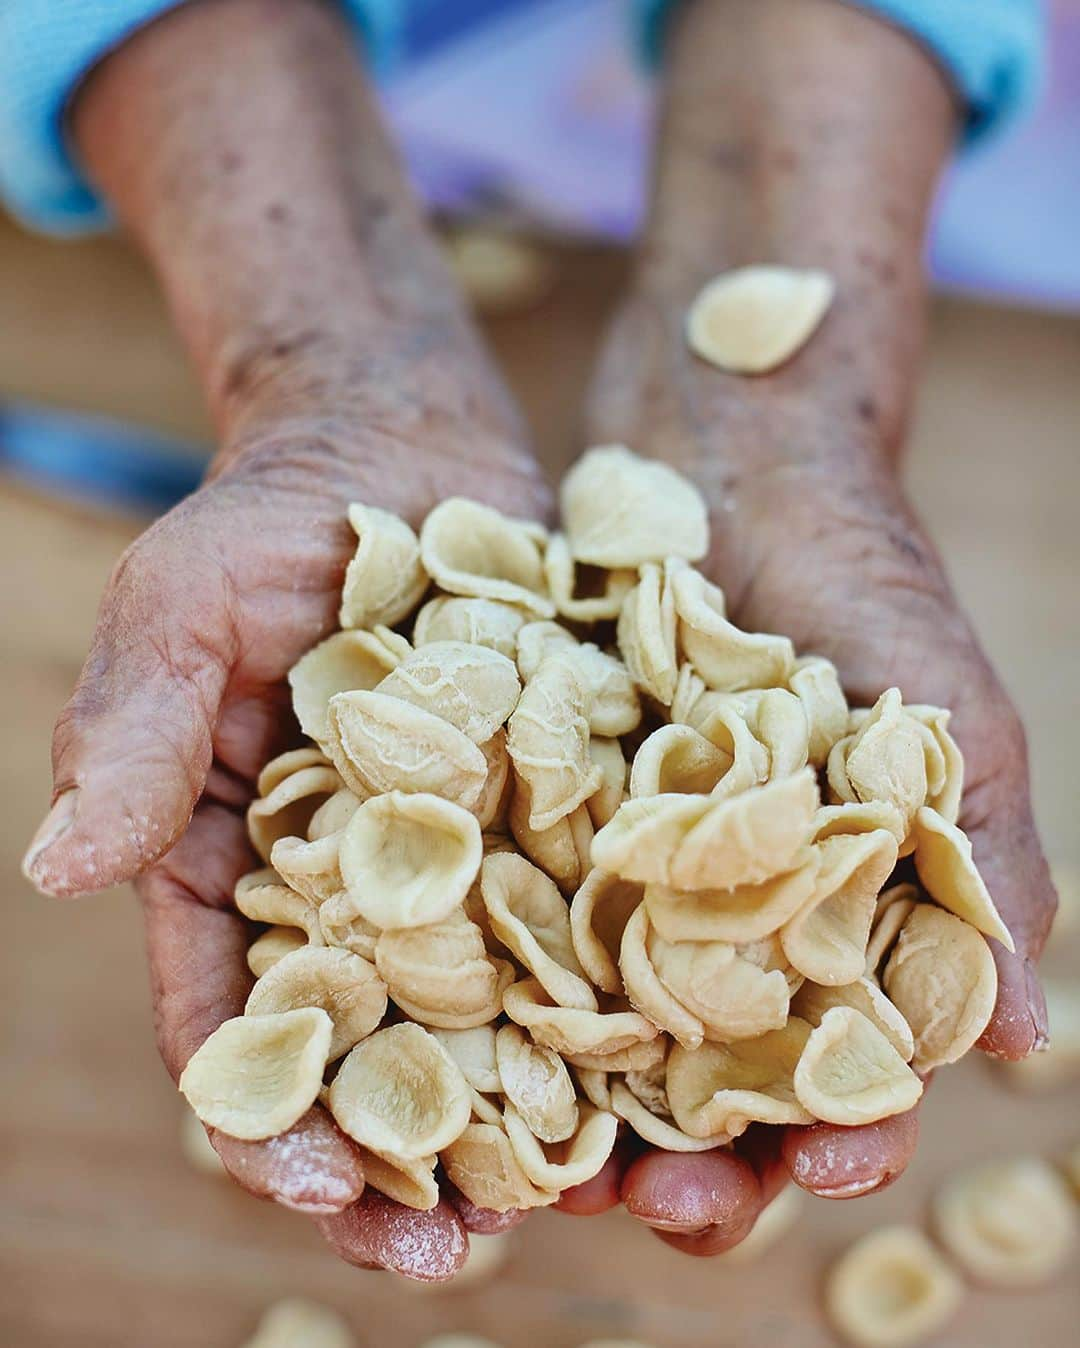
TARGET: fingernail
(678,1228)
(55,824)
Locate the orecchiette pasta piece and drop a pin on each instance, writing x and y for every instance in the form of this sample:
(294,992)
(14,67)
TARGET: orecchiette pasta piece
(262,897)
(530,917)
(380,743)
(409,1180)
(859,817)
(311,868)
(639,1057)
(812,1000)
(649,1085)
(689,690)
(408,861)
(492,807)
(850,1073)
(1008,1223)
(470,549)
(594,1084)
(891,1289)
(654,1129)
(942,977)
(482,1164)
(774,1222)
(561,1165)
(343,985)
(273,945)
(295,1321)
(727,658)
(480,622)
(734,992)
(620,510)
(333,814)
(944,761)
(537,640)
(399,1092)
(256,1075)
(884,759)
(584,594)
(613,706)
(779,723)
(548,742)
(341,925)
(740,915)
(486,1108)
(345,661)
(536,1082)
(598,916)
(948,874)
(1059,1063)
(723,1088)
(826,939)
(399,646)
(890,913)
(608,756)
(645,632)
(647,993)
(748,838)
(473,687)
(722,719)
(677,760)
(286,810)
(561,851)
(568,1030)
(474,1052)
(816,684)
(441,973)
(284,765)
(385,580)
(755,318)
(710,842)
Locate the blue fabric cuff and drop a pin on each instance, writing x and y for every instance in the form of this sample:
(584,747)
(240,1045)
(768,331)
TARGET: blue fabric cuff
(46,48)
(992,50)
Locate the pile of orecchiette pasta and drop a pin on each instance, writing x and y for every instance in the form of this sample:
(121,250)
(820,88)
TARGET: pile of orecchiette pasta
(566,850)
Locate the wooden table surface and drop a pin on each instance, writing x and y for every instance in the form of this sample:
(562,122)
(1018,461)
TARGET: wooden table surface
(109,1240)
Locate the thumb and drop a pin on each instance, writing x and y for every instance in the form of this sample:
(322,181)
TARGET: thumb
(132,747)
(997,817)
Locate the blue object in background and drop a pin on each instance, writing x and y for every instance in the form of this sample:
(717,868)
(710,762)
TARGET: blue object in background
(96,459)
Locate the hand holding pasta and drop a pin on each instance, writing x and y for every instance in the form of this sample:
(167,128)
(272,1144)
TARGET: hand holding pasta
(771,919)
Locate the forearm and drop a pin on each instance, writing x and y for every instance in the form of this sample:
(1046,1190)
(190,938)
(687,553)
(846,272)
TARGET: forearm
(805,133)
(239,145)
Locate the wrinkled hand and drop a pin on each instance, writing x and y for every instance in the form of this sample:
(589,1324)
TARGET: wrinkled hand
(181,701)
(812,537)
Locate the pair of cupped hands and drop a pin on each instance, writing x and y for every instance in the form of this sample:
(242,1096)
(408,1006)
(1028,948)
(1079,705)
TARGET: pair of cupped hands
(182,700)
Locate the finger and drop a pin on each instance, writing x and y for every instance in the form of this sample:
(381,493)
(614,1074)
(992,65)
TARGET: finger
(482,1221)
(699,1202)
(197,944)
(602,1192)
(312,1167)
(1006,848)
(132,748)
(379,1233)
(835,1162)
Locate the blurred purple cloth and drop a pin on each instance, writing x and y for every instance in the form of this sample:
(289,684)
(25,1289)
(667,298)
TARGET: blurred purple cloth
(542,114)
